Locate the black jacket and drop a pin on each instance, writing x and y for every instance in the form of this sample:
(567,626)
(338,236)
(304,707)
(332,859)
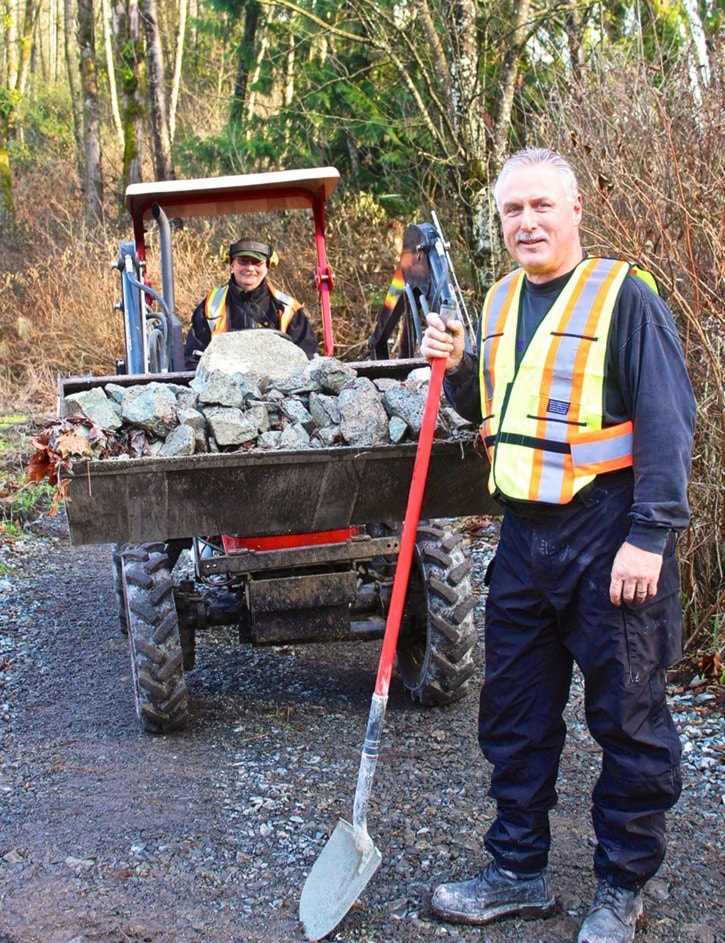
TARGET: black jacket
(646,382)
(248,309)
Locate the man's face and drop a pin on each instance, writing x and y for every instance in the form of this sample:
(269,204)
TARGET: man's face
(247,272)
(540,222)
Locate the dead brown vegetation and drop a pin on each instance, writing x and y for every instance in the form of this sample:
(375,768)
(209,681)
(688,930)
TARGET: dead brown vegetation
(649,149)
(57,312)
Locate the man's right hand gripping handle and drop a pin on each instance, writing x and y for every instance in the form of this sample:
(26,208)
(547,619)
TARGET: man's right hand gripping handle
(441,340)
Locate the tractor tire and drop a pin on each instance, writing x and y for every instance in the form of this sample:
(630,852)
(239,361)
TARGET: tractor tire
(117,564)
(437,634)
(153,635)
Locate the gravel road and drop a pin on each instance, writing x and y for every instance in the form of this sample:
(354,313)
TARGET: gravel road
(110,835)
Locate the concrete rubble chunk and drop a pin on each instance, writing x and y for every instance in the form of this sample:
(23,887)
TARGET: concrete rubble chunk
(151,407)
(262,353)
(229,426)
(96,406)
(363,420)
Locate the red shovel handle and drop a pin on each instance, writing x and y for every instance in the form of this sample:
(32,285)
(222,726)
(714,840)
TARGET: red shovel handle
(410,527)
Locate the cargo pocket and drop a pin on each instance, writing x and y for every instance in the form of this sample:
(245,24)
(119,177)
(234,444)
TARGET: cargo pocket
(654,628)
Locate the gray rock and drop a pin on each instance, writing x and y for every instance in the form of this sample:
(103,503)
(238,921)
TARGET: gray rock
(397,429)
(229,426)
(258,417)
(114,391)
(296,411)
(298,381)
(180,441)
(326,437)
(270,440)
(151,407)
(407,402)
(294,436)
(324,409)
(94,405)
(363,420)
(189,399)
(218,388)
(383,384)
(330,375)
(260,352)
(188,416)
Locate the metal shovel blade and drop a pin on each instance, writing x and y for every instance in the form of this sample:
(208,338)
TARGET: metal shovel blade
(336,880)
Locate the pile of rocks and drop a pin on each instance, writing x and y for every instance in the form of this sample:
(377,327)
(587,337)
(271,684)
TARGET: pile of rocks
(256,389)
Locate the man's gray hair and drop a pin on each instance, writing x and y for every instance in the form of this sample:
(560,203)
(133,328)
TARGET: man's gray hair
(534,157)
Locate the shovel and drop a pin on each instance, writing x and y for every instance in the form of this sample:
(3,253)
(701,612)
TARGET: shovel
(349,859)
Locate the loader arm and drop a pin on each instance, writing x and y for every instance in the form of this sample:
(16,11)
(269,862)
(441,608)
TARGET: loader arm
(423,280)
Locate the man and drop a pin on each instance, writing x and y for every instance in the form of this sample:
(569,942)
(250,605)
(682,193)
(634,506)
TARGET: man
(248,300)
(588,415)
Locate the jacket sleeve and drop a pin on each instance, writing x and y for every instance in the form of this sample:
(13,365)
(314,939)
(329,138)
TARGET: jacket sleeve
(651,387)
(462,389)
(300,330)
(198,338)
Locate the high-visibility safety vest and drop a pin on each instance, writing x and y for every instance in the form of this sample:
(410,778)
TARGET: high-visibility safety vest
(215,308)
(542,423)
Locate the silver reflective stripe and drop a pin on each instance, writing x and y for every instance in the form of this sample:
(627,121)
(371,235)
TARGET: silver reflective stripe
(607,450)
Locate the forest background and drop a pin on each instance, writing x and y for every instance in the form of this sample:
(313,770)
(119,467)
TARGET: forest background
(417,103)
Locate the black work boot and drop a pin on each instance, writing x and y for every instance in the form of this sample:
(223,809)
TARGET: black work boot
(613,916)
(493,894)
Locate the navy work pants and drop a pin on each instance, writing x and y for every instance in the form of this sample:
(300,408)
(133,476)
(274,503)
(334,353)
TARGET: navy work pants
(548,607)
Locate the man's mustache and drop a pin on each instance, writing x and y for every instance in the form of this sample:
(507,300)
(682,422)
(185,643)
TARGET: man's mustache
(529,237)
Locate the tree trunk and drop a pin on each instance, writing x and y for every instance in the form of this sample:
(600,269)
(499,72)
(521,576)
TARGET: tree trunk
(245,60)
(92,130)
(110,65)
(180,39)
(160,136)
(133,83)
(74,84)
(10,97)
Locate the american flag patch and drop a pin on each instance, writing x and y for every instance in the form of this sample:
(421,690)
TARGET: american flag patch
(557,407)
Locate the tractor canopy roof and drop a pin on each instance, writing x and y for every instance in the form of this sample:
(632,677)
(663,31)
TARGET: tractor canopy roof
(241,193)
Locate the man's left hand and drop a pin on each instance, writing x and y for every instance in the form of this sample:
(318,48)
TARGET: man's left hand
(635,574)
